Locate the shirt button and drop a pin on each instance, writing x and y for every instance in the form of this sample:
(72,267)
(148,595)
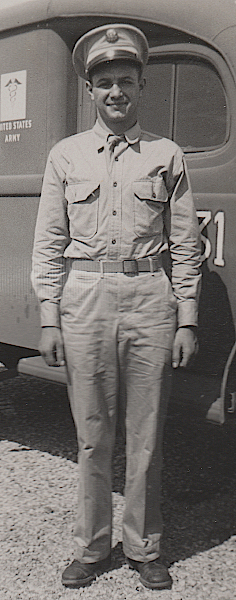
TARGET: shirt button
(116,158)
(114,213)
(115,184)
(113,242)
(154,195)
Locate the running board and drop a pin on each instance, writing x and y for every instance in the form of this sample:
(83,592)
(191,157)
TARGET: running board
(36,366)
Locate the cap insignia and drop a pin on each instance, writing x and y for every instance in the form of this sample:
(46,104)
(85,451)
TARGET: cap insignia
(111,36)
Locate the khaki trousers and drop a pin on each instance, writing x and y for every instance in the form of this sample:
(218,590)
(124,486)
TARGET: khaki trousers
(118,328)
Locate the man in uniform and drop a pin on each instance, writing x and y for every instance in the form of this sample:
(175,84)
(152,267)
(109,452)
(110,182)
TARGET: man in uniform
(112,197)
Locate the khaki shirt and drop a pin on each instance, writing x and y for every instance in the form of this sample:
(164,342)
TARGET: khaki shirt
(127,209)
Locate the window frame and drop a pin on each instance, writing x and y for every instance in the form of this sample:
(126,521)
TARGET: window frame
(219,64)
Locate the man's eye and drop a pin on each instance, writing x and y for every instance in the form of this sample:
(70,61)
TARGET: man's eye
(126,82)
(104,84)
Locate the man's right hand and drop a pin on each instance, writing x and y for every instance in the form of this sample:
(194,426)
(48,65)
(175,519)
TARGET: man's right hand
(51,346)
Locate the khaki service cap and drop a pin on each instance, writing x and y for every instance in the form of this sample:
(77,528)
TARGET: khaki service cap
(109,42)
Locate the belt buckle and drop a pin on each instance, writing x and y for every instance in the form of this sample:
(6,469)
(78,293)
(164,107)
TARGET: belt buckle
(130,266)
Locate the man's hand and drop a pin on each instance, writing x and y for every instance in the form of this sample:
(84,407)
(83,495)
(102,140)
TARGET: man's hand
(185,346)
(51,346)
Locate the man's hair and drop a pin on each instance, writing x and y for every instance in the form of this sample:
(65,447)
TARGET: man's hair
(119,61)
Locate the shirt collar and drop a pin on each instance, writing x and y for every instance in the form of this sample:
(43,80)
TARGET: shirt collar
(132,135)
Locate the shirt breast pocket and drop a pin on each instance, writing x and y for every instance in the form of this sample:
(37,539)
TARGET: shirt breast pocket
(83,203)
(149,197)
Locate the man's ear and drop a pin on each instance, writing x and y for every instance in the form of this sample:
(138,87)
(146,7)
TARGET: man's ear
(89,89)
(142,83)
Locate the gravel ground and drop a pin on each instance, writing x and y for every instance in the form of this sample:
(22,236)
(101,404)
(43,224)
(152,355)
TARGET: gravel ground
(38,474)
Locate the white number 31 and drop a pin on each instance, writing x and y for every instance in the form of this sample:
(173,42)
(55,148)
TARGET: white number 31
(205,217)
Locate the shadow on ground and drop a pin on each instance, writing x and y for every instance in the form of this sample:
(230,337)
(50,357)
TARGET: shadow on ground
(199,475)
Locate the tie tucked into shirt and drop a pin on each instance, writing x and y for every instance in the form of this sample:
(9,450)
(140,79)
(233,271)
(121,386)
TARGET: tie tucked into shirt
(111,143)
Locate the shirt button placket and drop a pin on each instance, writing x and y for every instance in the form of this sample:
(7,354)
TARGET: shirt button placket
(115,228)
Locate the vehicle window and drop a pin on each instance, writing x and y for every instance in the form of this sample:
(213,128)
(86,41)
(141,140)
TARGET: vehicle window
(185,101)
(156,102)
(201,111)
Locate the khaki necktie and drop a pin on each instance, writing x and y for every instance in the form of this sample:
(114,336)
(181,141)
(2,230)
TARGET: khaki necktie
(111,143)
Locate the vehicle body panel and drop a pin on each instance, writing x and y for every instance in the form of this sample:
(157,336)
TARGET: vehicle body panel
(184,36)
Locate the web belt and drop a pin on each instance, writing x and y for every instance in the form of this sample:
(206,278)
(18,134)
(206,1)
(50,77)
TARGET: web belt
(127,266)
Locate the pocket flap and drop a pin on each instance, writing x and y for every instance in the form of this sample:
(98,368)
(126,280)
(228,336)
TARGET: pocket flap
(147,189)
(80,191)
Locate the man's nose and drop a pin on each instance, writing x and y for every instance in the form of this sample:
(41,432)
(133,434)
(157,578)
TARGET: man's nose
(115,90)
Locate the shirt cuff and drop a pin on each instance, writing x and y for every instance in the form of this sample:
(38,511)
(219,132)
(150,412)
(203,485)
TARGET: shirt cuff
(187,313)
(50,314)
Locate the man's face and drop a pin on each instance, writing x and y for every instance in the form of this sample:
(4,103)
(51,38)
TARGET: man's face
(116,89)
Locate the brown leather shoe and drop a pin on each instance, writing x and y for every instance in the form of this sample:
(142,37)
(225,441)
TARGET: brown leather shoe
(153,574)
(80,574)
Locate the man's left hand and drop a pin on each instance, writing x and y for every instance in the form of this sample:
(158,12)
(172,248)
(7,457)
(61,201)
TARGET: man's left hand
(185,346)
